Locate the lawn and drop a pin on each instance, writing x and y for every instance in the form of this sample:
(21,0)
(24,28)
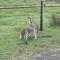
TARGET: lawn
(13,2)
(13,20)
(24,2)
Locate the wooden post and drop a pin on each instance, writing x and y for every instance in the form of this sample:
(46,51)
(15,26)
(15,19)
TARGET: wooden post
(42,16)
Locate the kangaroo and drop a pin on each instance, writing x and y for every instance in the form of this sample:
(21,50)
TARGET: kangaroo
(25,34)
(33,26)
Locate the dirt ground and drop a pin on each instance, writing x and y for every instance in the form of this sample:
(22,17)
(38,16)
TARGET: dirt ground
(52,55)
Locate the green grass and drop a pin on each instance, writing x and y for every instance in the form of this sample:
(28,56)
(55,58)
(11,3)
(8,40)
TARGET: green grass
(17,2)
(23,2)
(13,20)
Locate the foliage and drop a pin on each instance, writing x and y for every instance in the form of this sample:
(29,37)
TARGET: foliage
(55,19)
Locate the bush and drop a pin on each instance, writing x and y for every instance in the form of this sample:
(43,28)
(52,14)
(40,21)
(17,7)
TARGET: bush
(55,20)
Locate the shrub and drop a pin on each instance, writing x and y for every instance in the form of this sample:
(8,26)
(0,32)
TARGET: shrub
(55,20)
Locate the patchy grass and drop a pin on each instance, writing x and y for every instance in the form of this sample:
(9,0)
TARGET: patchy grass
(13,20)
(18,2)
(25,2)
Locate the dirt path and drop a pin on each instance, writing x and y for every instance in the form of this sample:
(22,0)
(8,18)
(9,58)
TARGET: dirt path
(52,55)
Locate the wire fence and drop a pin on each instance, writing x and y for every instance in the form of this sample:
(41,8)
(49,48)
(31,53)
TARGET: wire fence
(28,6)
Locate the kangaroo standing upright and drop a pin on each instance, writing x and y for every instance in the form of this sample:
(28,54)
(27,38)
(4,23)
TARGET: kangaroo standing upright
(33,26)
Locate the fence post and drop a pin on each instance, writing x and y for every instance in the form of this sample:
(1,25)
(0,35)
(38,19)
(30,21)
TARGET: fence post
(41,16)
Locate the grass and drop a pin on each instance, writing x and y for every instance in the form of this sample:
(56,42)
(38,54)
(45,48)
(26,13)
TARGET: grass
(17,2)
(13,20)
(23,2)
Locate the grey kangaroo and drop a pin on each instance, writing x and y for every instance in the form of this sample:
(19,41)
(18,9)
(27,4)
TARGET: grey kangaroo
(33,26)
(25,33)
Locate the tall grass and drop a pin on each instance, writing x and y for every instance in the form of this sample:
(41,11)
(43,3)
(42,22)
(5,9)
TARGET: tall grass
(55,21)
